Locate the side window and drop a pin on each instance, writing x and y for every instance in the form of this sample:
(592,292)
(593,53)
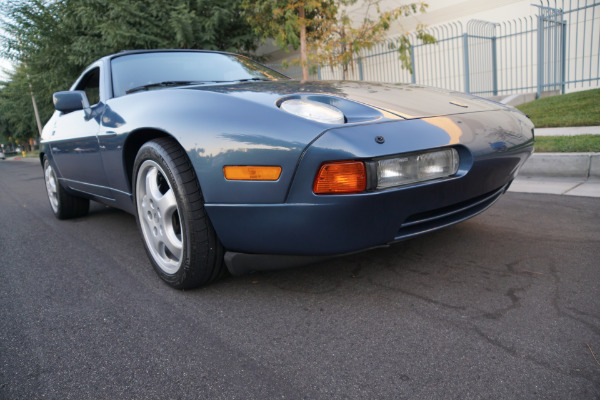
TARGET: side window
(90,84)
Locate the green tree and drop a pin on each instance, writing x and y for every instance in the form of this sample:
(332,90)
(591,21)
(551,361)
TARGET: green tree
(292,23)
(324,31)
(344,39)
(16,116)
(199,24)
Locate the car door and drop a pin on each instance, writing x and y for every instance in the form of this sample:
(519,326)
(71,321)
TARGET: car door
(75,148)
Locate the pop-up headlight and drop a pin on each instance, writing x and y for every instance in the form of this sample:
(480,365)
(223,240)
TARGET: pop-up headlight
(313,110)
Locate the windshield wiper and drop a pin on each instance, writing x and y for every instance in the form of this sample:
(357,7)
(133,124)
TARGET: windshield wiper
(163,84)
(242,80)
(254,79)
(184,83)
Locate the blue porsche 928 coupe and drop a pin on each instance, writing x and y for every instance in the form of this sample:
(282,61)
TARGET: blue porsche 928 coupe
(228,164)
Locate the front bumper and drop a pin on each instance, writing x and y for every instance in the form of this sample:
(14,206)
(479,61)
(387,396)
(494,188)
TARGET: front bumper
(493,146)
(418,224)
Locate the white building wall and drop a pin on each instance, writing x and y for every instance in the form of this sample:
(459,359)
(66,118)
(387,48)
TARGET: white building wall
(438,12)
(516,64)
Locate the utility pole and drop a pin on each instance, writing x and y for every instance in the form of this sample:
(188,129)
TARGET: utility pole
(35,109)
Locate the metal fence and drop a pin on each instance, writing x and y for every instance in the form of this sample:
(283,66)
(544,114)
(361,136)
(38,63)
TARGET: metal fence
(556,50)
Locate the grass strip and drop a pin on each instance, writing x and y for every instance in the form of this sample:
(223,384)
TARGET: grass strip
(567,144)
(572,109)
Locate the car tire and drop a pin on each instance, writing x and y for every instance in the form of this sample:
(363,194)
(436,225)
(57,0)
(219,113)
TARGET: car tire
(63,204)
(179,239)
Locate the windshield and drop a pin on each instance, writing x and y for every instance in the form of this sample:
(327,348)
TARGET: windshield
(151,69)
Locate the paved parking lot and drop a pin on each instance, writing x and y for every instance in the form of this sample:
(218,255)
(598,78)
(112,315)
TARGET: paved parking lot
(504,306)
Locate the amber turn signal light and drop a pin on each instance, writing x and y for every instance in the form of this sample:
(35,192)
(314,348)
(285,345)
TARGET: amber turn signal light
(341,177)
(251,173)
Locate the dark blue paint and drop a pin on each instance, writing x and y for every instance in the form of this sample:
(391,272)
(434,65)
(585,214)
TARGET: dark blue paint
(241,124)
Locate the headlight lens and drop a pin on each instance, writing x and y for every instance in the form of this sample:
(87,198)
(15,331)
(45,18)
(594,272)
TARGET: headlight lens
(314,110)
(416,168)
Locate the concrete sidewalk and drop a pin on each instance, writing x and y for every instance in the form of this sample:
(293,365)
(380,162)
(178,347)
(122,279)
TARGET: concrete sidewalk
(563,186)
(573,174)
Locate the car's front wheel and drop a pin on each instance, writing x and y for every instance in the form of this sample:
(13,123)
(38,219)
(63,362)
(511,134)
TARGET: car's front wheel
(178,236)
(63,204)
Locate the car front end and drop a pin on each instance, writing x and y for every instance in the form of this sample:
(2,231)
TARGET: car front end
(372,183)
(216,154)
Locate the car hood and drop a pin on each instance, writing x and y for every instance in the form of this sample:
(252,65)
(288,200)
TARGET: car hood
(405,101)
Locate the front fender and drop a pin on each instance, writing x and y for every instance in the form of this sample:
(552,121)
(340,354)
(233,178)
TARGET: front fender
(215,130)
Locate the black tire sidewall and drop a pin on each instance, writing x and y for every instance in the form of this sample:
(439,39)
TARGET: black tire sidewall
(155,152)
(56,213)
(61,196)
(69,206)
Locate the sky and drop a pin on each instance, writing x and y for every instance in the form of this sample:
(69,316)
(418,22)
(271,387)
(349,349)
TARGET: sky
(4,65)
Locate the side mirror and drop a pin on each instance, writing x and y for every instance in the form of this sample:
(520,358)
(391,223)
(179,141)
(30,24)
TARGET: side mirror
(71,101)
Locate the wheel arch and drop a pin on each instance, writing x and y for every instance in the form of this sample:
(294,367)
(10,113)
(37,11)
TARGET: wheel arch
(135,140)
(44,152)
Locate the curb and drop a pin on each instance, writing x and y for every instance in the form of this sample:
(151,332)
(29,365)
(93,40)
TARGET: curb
(26,159)
(563,165)
(569,131)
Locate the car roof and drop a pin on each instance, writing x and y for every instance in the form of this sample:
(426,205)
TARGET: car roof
(128,52)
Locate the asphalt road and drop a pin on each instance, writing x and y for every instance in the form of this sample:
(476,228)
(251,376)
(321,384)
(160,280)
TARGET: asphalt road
(504,306)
